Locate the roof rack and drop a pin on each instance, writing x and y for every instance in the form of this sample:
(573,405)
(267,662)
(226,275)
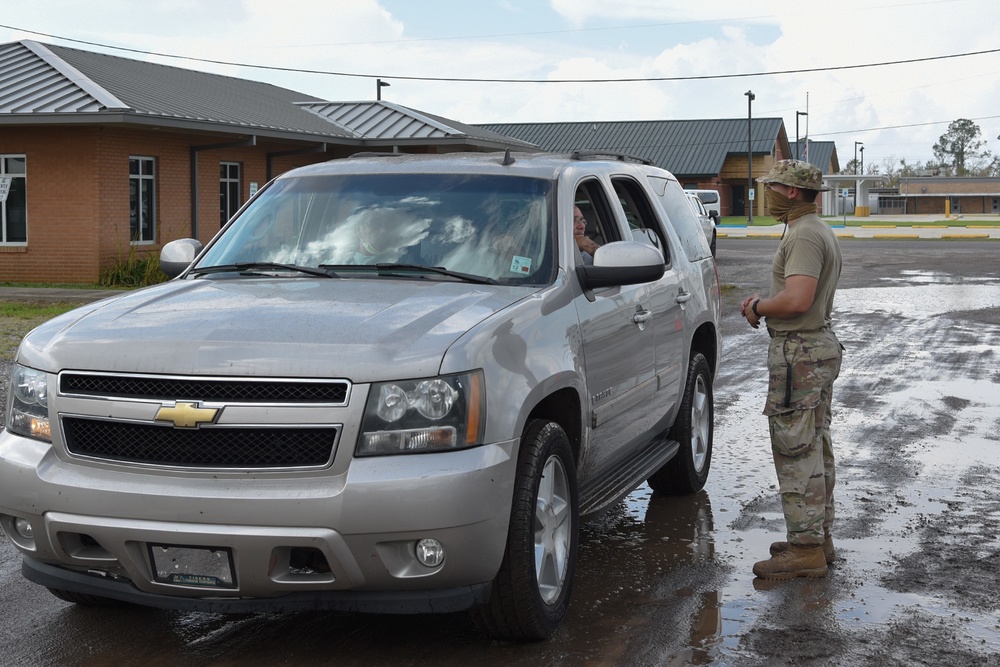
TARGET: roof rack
(603,155)
(376,154)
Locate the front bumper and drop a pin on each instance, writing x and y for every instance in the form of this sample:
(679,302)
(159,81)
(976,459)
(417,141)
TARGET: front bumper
(381,602)
(91,527)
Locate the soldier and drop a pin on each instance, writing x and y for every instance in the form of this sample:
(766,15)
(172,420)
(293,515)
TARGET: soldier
(803,360)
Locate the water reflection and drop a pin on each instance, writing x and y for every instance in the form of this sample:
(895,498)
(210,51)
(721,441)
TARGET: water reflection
(923,301)
(650,581)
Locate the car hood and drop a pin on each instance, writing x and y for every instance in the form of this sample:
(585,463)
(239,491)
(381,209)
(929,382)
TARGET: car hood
(358,329)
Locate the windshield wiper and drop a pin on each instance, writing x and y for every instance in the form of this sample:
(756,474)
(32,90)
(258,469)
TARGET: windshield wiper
(383,268)
(250,266)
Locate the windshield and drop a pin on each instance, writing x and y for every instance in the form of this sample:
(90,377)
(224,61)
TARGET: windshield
(495,227)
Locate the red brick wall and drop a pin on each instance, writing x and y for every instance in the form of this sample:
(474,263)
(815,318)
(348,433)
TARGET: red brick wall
(62,201)
(78,194)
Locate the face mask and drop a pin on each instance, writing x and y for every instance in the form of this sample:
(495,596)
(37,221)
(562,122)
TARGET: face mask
(784,209)
(778,204)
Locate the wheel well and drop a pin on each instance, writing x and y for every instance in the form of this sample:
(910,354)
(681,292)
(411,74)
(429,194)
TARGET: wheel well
(704,341)
(563,408)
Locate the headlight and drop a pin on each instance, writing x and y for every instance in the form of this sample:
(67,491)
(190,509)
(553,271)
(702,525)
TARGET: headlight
(28,410)
(413,416)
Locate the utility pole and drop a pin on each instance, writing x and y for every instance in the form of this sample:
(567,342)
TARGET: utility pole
(797,114)
(856,144)
(750,98)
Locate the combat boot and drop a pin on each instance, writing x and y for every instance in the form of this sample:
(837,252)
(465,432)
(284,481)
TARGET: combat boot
(778,547)
(795,561)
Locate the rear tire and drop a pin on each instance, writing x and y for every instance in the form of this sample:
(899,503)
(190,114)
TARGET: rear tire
(531,592)
(688,471)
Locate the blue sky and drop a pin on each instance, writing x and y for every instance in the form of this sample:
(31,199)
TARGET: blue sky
(897,110)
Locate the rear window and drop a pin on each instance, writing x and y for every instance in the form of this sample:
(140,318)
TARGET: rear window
(682,217)
(709,197)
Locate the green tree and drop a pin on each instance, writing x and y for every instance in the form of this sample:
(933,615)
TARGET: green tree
(960,146)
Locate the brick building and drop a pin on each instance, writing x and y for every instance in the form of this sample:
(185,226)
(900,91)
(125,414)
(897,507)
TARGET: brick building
(105,156)
(960,194)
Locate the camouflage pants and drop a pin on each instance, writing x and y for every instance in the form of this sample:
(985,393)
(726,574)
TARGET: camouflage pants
(801,369)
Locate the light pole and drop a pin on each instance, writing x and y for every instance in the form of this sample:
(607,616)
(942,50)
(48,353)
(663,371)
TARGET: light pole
(856,144)
(379,84)
(750,98)
(862,160)
(797,114)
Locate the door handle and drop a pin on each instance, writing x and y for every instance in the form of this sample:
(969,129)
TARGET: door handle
(683,297)
(641,317)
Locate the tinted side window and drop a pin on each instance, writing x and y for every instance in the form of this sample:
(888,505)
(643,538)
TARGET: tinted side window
(642,220)
(681,217)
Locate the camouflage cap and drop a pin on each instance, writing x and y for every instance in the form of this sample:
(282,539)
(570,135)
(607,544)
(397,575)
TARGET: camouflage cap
(795,174)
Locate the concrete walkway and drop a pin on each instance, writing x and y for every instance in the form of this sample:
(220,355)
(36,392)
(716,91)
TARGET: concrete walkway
(887,227)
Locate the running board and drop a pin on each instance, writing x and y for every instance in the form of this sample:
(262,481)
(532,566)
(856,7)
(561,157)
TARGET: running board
(600,493)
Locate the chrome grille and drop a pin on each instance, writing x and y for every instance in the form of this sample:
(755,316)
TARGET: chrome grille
(203,447)
(221,390)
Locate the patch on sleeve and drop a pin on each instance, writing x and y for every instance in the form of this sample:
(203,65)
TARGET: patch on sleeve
(520,265)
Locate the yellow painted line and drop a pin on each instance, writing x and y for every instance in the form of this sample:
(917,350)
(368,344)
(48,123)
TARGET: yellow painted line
(878,226)
(721,236)
(845,236)
(893,237)
(982,227)
(965,236)
(763,236)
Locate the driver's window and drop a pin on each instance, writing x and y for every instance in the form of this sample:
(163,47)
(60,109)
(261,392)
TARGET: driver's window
(593,217)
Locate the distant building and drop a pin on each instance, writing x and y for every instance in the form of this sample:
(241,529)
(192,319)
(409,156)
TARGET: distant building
(108,156)
(707,154)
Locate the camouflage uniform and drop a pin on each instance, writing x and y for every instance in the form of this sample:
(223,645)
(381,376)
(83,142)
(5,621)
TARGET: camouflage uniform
(804,359)
(801,369)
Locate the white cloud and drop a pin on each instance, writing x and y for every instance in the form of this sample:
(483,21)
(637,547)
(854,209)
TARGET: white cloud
(394,39)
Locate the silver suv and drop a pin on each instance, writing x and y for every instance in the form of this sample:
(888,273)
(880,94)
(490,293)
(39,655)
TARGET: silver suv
(390,383)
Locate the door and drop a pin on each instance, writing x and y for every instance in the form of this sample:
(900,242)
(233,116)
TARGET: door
(739,200)
(618,341)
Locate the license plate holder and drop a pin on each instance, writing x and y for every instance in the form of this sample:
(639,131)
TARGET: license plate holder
(203,567)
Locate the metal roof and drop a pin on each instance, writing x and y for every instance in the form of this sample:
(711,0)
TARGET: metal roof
(823,154)
(685,147)
(42,83)
(388,122)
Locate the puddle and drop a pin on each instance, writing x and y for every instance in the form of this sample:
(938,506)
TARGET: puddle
(924,301)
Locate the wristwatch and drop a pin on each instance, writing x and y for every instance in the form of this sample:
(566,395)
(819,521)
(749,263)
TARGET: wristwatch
(753,307)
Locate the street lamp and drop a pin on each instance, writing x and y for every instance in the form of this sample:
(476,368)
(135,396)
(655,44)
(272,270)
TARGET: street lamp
(750,98)
(379,84)
(862,160)
(797,114)
(856,144)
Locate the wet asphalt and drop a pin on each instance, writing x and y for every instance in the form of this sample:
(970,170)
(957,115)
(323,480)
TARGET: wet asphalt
(666,581)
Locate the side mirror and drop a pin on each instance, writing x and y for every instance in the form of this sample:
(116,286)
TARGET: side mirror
(178,255)
(622,263)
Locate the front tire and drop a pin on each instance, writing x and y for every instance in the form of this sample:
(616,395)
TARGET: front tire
(688,471)
(531,592)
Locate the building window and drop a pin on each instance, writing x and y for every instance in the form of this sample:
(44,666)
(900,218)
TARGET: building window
(14,211)
(229,190)
(142,199)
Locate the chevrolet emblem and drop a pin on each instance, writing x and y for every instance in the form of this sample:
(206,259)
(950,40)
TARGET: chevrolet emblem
(186,415)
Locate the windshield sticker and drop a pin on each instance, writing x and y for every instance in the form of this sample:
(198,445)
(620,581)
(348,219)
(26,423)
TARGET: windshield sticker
(520,265)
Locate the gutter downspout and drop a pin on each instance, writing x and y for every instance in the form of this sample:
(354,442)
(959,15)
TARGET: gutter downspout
(252,141)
